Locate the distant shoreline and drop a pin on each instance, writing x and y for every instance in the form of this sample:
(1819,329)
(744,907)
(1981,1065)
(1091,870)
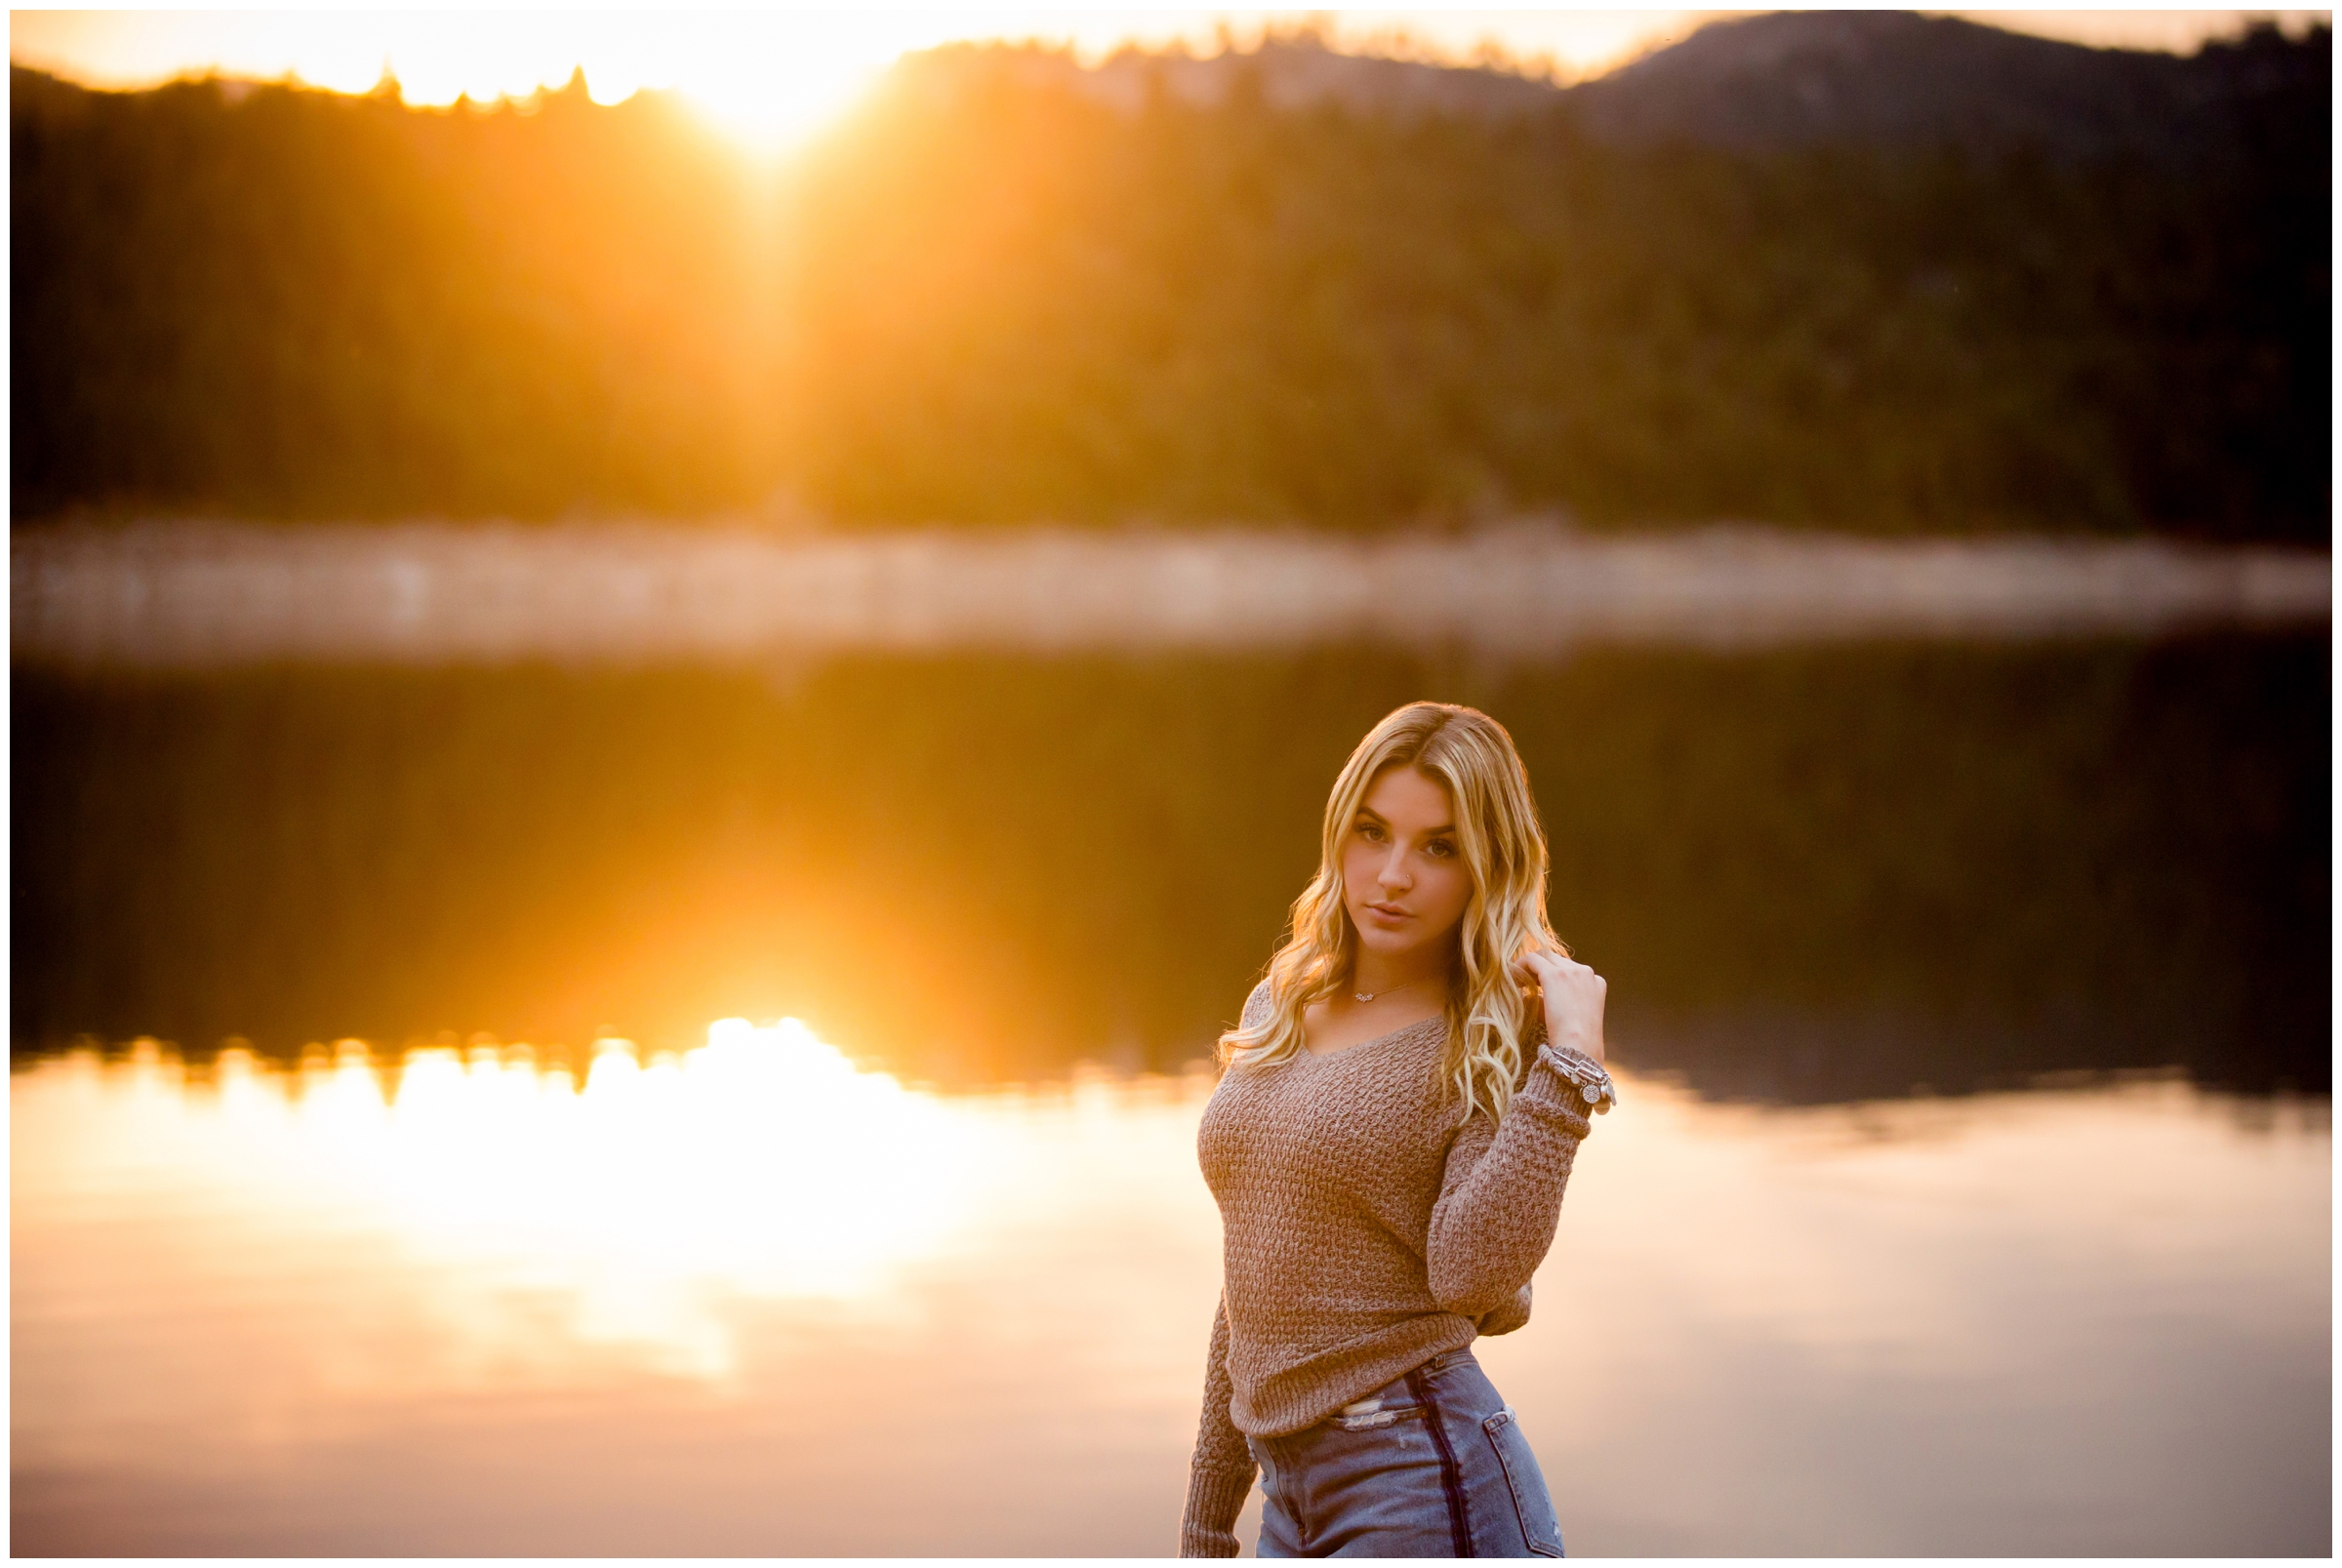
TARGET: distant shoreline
(188,596)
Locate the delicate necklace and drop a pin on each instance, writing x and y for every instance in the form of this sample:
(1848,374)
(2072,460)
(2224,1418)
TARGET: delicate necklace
(1368,996)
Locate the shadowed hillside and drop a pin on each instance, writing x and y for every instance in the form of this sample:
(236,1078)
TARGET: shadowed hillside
(2061,288)
(1891,78)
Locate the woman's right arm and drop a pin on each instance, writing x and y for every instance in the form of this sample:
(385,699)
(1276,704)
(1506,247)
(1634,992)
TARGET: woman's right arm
(1221,1471)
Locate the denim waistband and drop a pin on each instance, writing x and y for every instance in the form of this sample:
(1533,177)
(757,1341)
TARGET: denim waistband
(1396,1394)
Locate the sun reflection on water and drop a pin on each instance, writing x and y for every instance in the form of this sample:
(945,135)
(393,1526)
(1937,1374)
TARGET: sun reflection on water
(642,1202)
(371,1304)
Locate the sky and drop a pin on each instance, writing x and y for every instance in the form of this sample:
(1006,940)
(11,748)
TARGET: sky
(776,76)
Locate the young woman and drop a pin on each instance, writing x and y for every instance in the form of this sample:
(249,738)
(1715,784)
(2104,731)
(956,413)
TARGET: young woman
(1388,1146)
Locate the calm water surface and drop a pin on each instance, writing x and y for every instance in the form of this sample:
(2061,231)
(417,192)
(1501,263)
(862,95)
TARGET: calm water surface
(1971,1192)
(749,1298)
(1811,874)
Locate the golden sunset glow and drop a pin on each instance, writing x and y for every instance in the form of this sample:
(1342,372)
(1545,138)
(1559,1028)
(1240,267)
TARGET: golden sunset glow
(677,669)
(760,1166)
(772,78)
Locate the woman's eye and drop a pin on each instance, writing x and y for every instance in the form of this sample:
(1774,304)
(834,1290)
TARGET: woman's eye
(1440,849)
(1369,832)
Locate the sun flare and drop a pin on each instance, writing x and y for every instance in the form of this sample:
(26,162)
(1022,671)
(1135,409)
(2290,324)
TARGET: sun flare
(772,79)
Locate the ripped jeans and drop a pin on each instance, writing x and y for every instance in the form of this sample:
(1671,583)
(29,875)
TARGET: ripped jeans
(1434,1465)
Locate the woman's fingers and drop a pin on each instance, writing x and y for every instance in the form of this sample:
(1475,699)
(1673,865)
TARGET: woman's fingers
(1558,972)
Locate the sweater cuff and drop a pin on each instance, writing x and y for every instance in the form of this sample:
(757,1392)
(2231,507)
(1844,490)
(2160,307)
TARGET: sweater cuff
(1214,1500)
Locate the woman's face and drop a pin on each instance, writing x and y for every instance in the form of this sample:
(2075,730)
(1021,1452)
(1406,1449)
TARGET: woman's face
(1403,877)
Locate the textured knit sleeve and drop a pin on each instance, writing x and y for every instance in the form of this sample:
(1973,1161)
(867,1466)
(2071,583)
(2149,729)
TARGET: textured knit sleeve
(1501,1196)
(1221,1471)
(1514,1314)
(1256,1005)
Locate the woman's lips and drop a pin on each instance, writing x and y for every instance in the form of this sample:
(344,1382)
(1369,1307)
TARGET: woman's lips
(1387,911)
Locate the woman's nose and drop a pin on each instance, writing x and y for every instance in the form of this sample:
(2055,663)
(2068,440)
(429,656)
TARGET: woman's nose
(1394,873)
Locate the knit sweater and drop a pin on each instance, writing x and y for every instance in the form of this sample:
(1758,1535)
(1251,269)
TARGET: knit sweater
(1364,1231)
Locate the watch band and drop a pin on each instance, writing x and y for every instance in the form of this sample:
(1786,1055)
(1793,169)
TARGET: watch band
(1589,1077)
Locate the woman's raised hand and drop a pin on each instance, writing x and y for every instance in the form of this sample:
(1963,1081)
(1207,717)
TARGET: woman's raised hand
(1573,997)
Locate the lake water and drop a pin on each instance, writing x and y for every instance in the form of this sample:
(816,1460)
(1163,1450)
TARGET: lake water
(1971,1194)
(748,1300)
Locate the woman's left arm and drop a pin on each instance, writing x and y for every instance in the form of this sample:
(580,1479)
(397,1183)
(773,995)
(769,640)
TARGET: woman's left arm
(1500,1196)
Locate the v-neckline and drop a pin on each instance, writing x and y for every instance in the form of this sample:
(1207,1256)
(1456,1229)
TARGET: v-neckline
(1361,1045)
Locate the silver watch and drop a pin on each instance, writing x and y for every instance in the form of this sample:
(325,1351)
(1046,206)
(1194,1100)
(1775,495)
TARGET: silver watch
(1588,1076)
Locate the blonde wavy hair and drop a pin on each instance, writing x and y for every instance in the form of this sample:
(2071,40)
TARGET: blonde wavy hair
(1489,1012)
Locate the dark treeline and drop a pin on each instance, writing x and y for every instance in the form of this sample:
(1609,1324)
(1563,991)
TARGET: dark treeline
(999,295)
(297,303)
